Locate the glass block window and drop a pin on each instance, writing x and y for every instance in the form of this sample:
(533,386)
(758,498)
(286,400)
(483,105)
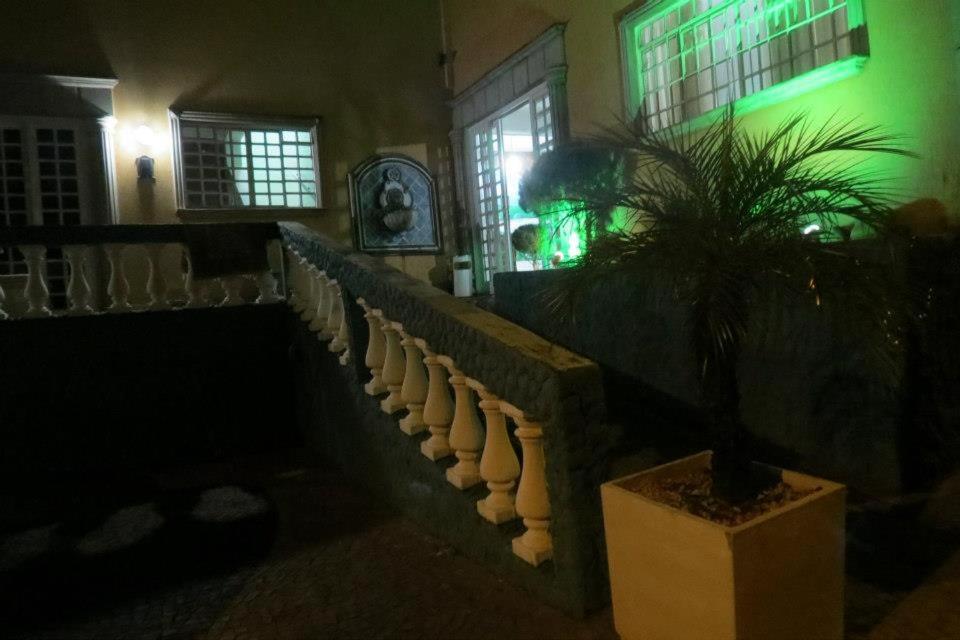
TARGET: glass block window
(238,164)
(685,58)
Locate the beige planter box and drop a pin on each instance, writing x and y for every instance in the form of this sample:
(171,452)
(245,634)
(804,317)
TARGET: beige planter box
(674,575)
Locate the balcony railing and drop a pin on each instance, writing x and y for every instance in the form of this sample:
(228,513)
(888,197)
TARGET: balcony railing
(58,270)
(433,362)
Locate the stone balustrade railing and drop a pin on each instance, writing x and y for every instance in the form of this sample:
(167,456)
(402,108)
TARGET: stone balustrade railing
(95,262)
(463,381)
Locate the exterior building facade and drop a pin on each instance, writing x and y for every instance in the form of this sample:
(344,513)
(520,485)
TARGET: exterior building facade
(901,72)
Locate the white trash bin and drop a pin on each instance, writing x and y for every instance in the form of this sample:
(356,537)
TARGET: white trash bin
(462,277)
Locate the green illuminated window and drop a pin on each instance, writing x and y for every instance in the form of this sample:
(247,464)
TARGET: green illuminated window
(684,59)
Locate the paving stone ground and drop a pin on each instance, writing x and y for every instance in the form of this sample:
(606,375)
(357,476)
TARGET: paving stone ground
(280,548)
(325,560)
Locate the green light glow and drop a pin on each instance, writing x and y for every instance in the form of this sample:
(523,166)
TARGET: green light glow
(821,77)
(674,29)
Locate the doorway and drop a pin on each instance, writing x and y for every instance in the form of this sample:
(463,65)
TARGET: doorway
(503,149)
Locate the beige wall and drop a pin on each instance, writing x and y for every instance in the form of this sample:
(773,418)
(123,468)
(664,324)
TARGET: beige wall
(368,68)
(909,86)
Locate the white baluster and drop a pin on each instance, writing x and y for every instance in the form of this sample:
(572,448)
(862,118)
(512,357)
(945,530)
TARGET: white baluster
(414,388)
(333,310)
(393,368)
(267,286)
(3,298)
(344,334)
(438,408)
(499,465)
(36,292)
(533,500)
(312,284)
(329,317)
(231,288)
(319,321)
(340,333)
(118,288)
(376,350)
(300,288)
(466,433)
(156,284)
(78,289)
(196,291)
(292,274)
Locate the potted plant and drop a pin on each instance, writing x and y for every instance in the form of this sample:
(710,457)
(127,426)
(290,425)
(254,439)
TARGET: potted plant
(715,545)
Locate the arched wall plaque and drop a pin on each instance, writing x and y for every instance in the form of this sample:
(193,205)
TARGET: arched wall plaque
(393,205)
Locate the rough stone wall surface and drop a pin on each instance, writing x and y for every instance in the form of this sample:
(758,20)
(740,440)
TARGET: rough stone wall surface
(559,389)
(806,391)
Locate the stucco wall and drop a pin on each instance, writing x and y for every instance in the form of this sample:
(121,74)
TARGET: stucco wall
(368,69)
(909,85)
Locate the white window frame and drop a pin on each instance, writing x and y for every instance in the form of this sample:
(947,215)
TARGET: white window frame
(245,121)
(635,94)
(498,233)
(85,156)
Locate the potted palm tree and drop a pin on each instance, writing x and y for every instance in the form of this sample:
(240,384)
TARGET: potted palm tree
(716,545)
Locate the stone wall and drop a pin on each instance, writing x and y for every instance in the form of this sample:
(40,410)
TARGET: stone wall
(807,394)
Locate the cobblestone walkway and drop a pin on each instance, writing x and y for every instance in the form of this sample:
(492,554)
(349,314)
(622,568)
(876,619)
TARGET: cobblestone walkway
(325,562)
(279,549)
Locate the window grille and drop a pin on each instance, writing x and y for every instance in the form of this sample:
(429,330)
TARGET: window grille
(13,195)
(686,58)
(543,124)
(40,184)
(230,163)
(494,241)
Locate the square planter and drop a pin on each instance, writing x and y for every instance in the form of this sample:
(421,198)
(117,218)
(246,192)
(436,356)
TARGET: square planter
(674,575)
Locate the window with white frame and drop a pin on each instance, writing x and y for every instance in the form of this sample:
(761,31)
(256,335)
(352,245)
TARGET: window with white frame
(685,58)
(236,162)
(45,176)
(503,147)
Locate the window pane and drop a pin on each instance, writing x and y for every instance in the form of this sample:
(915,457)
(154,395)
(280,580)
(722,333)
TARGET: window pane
(276,157)
(703,54)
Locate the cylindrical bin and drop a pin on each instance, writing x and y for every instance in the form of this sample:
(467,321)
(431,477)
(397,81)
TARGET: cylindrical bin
(462,277)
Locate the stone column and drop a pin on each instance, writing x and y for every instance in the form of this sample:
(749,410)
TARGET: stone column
(533,501)
(108,125)
(393,368)
(118,288)
(196,291)
(414,389)
(499,465)
(156,284)
(466,433)
(322,310)
(438,408)
(36,292)
(376,350)
(311,286)
(336,319)
(78,289)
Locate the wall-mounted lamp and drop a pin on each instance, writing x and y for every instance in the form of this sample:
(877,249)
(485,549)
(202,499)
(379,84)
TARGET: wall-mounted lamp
(146,140)
(144,166)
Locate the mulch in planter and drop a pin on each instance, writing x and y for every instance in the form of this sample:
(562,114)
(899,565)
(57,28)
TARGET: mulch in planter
(690,492)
